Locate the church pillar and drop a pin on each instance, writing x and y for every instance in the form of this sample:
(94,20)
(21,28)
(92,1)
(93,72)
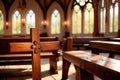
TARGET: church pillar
(119,19)
(96,17)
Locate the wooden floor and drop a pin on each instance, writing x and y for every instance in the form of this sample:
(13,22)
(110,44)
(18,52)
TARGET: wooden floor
(44,71)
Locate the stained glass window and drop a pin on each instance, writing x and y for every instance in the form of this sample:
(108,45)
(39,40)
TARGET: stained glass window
(89,19)
(102,17)
(113,16)
(76,20)
(30,21)
(1,23)
(55,22)
(16,23)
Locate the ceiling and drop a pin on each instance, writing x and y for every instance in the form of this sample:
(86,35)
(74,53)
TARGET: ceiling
(44,4)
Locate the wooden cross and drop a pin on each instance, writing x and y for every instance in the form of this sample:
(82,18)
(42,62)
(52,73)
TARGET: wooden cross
(33,47)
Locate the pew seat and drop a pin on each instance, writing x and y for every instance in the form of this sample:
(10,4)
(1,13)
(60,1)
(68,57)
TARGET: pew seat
(49,47)
(87,65)
(111,47)
(79,42)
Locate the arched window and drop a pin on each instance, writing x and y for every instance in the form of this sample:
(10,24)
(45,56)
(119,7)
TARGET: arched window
(102,17)
(113,16)
(1,23)
(16,23)
(89,19)
(76,20)
(116,17)
(30,21)
(55,22)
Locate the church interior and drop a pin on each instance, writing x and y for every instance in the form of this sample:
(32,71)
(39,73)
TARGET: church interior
(59,39)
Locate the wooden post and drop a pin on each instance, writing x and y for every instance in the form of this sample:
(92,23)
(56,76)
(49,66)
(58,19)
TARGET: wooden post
(36,66)
(34,47)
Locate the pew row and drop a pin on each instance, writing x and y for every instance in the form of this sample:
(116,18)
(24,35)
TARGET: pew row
(79,42)
(18,51)
(88,64)
(111,47)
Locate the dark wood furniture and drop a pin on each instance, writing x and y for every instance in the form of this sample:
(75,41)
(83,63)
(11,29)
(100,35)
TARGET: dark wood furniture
(18,51)
(111,47)
(115,39)
(19,47)
(53,45)
(87,65)
(84,41)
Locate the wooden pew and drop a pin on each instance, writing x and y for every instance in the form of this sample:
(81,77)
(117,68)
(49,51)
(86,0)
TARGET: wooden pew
(43,39)
(20,57)
(87,65)
(84,41)
(25,58)
(111,47)
(115,39)
(67,46)
(25,47)
(52,53)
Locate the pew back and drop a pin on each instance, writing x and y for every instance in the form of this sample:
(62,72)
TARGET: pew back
(84,41)
(23,56)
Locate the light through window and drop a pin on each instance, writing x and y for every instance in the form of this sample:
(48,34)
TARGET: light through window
(102,17)
(55,22)
(1,23)
(89,19)
(113,17)
(76,20)
(16,23)
(30,21)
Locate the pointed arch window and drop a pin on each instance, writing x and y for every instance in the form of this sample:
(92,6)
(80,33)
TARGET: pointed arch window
(30,21)
(16,23)
(114,16)
(55,22)
(102,17)
(76,20)
(89,19)
(1,23)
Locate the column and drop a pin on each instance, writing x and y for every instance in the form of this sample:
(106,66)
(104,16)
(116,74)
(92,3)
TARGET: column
(119,19)
(96,17)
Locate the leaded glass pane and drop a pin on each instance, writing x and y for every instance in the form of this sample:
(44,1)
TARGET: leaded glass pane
(55,22)
(30,21)
(89,19)
(1,23)
(16,23)
(116,18)
(76,21)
